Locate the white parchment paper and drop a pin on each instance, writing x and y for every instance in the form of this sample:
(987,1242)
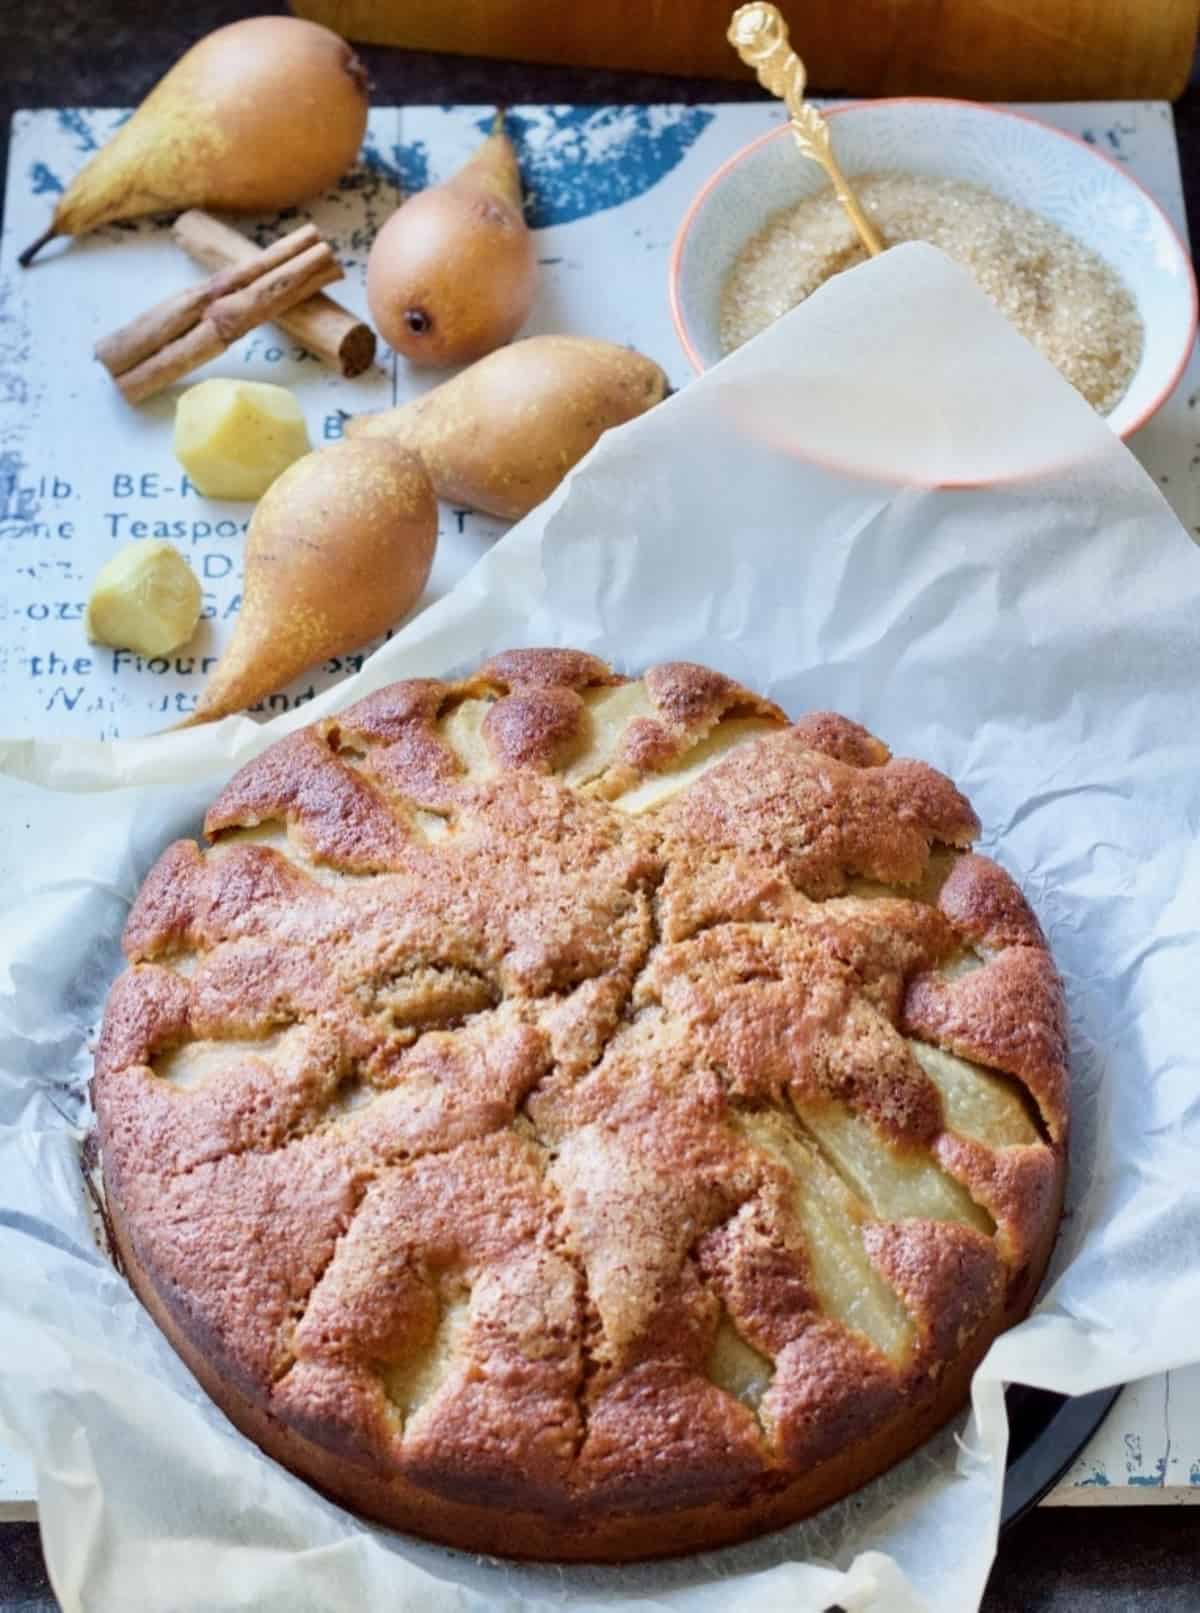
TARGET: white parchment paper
(1039,640)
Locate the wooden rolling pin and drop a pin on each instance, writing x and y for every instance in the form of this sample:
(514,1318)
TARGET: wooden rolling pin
(1024,50)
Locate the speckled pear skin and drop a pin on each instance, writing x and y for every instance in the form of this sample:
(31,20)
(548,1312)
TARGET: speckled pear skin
(572,1117)
(453,273)
(501,435)
(258,115)
(339,548)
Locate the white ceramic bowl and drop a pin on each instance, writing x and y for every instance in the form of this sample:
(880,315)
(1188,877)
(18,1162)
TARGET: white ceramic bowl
(1015,156)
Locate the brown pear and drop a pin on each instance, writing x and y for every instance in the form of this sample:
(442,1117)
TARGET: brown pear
(257,116)
(501,435)
(452,274)
(339,548)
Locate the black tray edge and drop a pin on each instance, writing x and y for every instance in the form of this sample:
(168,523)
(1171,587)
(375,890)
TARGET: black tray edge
(1034,1471)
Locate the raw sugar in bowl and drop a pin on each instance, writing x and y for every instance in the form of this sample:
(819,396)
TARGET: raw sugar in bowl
(1023,163)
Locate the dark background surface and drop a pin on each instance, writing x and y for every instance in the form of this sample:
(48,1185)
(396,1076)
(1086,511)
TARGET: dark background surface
(78,53)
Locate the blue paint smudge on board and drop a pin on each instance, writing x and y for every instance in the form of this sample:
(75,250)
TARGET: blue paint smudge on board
(411,165)
(1111,139)
(1115,138)
(1097,1478)
(72,121)
(371,163)
(1151,1481)
(12,506)
(13,388)
(42,182)
(1194,1473)
(580,160)
(406,170)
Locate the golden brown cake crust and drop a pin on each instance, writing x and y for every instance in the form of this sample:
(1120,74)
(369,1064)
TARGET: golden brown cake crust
(575,1117)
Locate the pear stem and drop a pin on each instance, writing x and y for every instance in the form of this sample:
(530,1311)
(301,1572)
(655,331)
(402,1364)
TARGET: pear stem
(31,252)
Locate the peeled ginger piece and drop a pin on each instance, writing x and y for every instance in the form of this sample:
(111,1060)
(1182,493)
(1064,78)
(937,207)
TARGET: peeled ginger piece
(235,437)
(146,598)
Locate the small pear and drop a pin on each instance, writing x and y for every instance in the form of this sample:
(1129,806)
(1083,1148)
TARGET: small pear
(452,274)
(501,435)
(259,115)
(339,549)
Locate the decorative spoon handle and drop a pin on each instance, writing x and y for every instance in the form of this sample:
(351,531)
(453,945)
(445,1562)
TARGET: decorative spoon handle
(759,35)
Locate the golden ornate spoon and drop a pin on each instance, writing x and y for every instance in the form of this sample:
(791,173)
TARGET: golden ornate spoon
(759,35)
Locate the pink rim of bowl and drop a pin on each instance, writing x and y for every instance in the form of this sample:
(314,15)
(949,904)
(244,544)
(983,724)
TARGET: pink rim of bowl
(714,180)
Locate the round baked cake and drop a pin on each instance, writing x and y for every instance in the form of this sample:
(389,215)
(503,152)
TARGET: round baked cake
(580,1118)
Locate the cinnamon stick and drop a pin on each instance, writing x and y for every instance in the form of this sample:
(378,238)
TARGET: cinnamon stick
(162,352)
(170,318)
(319,324)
